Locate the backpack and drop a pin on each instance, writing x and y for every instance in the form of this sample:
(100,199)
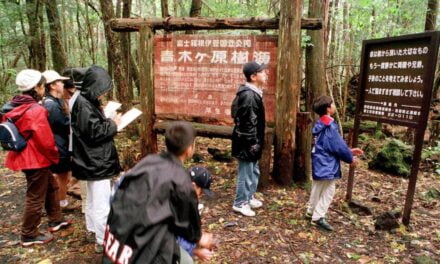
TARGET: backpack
(10,137)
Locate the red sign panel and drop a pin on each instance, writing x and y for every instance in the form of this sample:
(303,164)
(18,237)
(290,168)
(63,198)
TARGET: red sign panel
(198,75)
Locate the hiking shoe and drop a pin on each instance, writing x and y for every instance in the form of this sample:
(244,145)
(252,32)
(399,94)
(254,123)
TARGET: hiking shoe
(308,216)
(255,203)
(55,226)
(322,223)
(244,209)
(99,248)
(38,240)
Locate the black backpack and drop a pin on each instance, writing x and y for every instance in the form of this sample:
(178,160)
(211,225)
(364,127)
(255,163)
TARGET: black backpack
(10,137)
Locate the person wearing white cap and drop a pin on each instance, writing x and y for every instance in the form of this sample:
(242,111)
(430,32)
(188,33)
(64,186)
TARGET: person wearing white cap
(34,160)
(60,124)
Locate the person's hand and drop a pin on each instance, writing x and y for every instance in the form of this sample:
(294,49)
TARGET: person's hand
(207,241)
(255,148)
(353,164)
(117,119)
(203,254)
(357,151)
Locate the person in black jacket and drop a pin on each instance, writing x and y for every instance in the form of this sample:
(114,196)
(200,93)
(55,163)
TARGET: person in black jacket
(60,124)
(248,136)
(95,159)
(154,203)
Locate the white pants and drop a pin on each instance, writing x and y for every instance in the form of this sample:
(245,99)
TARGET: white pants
(97,207)
(320,198)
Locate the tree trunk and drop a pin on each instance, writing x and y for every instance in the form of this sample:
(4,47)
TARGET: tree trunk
(115,56)
(146,51)
(164,8)
(431,15)
(288,88)
(347,62)
(196,11)
(126,48)
(315,58)
(37,50)
(59,59)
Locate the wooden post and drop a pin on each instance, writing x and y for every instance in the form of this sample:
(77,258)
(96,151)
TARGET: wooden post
(266,157)
(146,73)
(288,87)
(303,159)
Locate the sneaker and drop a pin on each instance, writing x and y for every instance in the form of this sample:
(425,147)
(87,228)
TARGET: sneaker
(322,223)
(244,209)
(55,226)
(255,203)
(308,216)
(99,248)
(40,239)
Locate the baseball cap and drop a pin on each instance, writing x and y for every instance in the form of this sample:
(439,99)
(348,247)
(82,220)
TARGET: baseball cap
(253,67)
(52,76)
(202,178)
(27,79)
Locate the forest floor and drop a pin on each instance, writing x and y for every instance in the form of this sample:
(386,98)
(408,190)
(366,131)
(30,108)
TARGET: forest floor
(278,234)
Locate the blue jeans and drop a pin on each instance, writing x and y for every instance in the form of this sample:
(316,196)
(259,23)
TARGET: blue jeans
(247,181)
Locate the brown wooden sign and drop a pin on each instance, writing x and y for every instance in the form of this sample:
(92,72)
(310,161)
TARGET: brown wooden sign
(198,75)
(397,76)
(396,79)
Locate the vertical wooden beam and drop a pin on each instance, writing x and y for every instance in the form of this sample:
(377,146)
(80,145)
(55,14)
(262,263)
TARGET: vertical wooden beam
(288,87)
(146,70)
(303,158)
(264,162)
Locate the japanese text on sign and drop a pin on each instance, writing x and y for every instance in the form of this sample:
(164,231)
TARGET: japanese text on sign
(199,75)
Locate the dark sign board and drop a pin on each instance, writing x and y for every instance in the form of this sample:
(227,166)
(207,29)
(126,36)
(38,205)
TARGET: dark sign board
(397,76)
(396,79)
(198,75)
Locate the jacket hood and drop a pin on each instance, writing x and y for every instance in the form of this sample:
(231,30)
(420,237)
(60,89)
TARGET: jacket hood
(243,88)
(323,122)
(96,82)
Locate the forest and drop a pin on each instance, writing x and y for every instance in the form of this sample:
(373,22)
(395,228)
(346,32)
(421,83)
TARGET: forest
(64,34)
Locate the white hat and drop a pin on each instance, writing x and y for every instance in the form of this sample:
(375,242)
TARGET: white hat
(52,76)
(27,79)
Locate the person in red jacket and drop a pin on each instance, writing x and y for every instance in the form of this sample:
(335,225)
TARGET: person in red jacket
(34,161)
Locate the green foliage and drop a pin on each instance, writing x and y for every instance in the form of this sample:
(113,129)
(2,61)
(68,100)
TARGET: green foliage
(395,157)
(432,194)
(432,154)
(424,260)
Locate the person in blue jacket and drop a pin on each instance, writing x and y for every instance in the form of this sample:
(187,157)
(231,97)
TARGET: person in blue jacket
(328,150)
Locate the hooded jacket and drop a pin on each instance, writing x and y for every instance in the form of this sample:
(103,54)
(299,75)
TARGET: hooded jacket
(31,122)
(155,203)
(328,150)
(94,152)
(247,110)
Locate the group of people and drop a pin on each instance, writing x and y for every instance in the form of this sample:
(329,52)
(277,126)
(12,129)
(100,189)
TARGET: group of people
(153,215)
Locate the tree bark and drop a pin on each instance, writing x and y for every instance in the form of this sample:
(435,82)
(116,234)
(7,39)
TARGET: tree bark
(164,8)
(37,48)
(431,15)
(126,48)
(115,56)
(196,11)
(315,58)
(303,159)
(288,88)
(192,23)
(59,59)
(146,48)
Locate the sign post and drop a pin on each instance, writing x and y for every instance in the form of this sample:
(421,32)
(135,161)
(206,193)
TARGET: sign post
(396,81)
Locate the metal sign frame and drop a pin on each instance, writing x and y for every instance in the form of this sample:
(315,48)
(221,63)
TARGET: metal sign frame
(431,40)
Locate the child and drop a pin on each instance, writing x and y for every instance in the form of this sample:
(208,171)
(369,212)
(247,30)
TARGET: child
(155,203)
(60,124)
(34,160)
(329,148)
(94,156)
(201,181)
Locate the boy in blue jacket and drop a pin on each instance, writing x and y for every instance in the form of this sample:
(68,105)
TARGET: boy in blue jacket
(328,150)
